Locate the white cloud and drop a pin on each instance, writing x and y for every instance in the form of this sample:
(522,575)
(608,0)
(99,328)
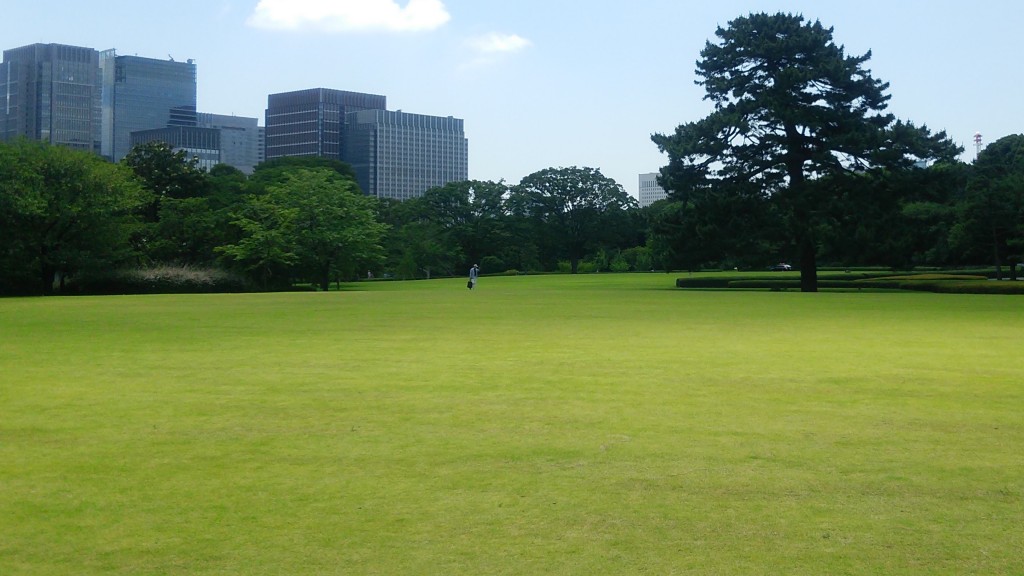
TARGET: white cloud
(491,48)
(349,15)
(495,43)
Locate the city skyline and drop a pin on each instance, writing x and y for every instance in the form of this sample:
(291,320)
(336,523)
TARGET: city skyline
(544,85)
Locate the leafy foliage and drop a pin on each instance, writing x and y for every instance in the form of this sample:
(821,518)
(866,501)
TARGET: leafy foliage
(793,115)
(167,173)
(575,209)
(990,225)
(63,213)
(314,225)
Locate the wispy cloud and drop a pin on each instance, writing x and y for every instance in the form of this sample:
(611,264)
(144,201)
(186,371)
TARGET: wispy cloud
(494,43)
(492,47)
(349,15)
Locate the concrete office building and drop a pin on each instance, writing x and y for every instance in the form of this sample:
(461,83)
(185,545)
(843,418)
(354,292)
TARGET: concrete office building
(261,153)
(239,139)
(311,122)
(139,94)
(399,155)
(211,138)
(203,144)
(650,192)
(51,93)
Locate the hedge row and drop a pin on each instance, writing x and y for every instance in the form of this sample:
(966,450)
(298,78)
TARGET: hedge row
(787,284)
(967,287)
(924,284)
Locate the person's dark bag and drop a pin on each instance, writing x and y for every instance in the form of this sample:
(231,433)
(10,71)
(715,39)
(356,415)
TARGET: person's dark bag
(469,284)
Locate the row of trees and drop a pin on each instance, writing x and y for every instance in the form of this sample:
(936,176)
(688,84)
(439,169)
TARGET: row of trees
(67,216)
(797,161)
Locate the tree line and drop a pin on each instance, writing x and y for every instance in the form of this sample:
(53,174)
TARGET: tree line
(797,162)
(69,218)
(66,216)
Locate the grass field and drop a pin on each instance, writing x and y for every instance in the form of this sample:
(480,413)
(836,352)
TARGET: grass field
(600,424)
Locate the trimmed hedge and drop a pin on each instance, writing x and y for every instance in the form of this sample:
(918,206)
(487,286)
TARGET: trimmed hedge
(794,284)
(703,282)
(946,284)
(967,287)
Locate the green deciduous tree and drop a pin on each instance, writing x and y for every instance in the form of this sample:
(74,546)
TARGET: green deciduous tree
(312,225)
(424,238)
(575,210)
(792,114)
(167,173)
(62,213)
(266,246)
(276,171)
(336,230)
(186,232)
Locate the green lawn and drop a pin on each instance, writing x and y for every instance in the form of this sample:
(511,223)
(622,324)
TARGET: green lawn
(600,424)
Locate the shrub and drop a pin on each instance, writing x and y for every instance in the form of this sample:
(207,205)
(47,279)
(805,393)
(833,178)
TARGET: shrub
(639,258)
(619,264)
(163,279)
(491,263)
(583,267)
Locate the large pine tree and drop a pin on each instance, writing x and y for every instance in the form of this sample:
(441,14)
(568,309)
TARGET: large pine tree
(791,111)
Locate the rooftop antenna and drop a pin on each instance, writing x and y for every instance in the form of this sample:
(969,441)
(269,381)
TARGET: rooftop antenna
(977,144)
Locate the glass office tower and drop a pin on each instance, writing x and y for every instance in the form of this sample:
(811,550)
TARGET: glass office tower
(400,155)
(51,92)
(311,122)
(139,94)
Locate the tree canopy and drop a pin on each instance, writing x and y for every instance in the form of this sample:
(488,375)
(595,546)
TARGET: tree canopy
(792,115)
(314,224)
(991,217)
(62,212)
(579,208)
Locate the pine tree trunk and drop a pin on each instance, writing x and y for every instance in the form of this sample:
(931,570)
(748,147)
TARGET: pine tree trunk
(808,267)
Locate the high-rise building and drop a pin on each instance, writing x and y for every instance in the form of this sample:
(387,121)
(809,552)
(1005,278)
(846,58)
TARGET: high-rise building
(311,122)
(203,144)
(394,154)
(139,94)
(400,155)
(261,152)
(239,139)
(210,138)
(51,93)
(650,191)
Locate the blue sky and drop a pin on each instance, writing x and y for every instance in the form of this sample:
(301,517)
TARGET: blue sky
(550,83)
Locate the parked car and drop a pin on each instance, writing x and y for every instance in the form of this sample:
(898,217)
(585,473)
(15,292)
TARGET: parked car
(781,266)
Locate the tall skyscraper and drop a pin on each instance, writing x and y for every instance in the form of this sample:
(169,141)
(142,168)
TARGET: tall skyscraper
(51,93)
(650,192)
(139,94)
(311,122)
(400,155)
